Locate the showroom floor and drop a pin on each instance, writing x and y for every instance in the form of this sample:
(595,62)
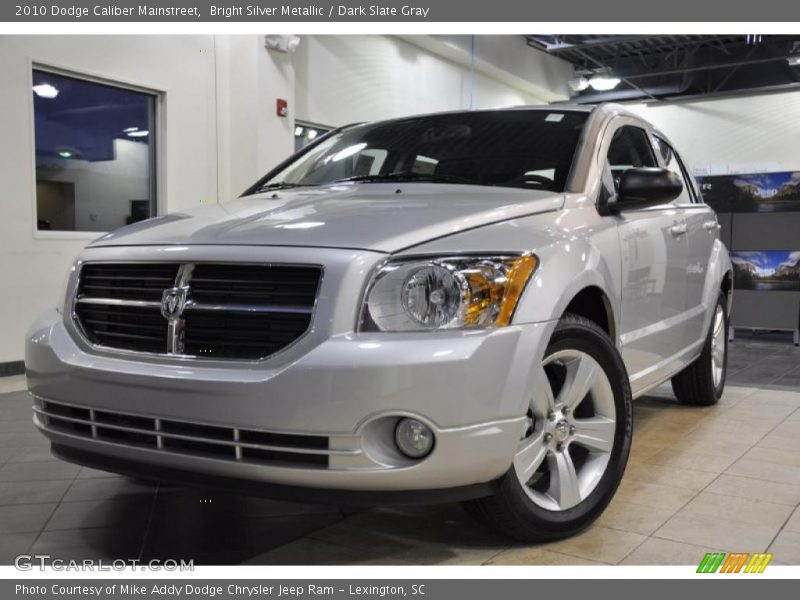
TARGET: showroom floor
(699,479)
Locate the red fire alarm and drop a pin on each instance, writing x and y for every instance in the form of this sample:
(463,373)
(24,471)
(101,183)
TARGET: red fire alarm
(282,107)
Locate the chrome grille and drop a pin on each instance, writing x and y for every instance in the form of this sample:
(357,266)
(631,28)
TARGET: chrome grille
(183,437)
(127,327)
(127,281)
(209,310)
(240,335)
(276,286)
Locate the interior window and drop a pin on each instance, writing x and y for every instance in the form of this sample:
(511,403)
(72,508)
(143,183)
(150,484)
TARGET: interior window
(95,154)
(630,148)
(673,162)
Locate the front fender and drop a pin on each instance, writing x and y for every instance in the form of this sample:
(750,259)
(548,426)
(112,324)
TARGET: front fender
(566,268)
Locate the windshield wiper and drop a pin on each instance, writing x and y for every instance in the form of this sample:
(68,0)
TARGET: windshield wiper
(378,178)
(279,185)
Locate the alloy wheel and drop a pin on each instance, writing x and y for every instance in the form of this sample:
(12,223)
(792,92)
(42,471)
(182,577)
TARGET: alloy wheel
(567,444)
(718,345)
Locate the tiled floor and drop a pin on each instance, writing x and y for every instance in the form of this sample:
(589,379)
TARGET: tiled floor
(699,479)
(51,507)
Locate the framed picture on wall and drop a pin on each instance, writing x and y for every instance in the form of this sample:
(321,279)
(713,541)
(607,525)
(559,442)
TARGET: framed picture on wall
(752,193)
(766,271)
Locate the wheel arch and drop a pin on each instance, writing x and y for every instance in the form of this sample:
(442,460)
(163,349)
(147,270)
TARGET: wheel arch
(718,279)
(593,303)
(576,274)
(726,286)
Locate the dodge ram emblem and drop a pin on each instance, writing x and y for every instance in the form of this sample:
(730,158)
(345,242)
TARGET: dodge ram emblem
(173,302)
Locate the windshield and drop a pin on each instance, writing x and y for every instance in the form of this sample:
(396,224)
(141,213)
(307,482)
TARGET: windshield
(531,149)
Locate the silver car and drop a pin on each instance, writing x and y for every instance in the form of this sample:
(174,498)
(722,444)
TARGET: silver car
(456,306)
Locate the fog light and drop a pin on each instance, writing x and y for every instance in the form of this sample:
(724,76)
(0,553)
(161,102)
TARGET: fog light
(414,438)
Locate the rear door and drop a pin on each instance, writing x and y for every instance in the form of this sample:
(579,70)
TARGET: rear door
(654,254)
(701,231)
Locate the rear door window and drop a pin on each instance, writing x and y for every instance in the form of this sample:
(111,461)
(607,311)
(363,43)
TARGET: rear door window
(630,148)
(673,162)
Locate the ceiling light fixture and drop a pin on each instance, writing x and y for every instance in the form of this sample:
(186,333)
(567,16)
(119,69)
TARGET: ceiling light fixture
(65,154)
(578,84)
(45,90)
(604,83)
(138,133)
(129,129)
(794,61)
(298,131)
(312,133)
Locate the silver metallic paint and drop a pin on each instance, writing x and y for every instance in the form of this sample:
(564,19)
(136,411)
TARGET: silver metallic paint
(472,387)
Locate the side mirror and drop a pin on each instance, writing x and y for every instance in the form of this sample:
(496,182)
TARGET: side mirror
(645,187)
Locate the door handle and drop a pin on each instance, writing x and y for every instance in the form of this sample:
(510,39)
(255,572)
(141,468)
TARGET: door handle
(711,226)
(678,230)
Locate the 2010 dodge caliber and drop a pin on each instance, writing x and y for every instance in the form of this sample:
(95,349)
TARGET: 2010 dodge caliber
(457,306)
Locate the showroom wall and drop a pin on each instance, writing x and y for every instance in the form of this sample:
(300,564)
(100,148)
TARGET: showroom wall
(33,264)
(343,79)
(252,138)
(746,133)
(219,127)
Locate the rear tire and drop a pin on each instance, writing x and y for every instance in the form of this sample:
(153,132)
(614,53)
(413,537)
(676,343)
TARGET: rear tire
(571,460)
(703,381)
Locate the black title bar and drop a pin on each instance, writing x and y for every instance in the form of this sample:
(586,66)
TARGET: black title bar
(387,11)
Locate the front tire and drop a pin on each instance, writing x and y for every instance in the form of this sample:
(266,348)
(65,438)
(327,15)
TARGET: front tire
(703,381)
(573,454)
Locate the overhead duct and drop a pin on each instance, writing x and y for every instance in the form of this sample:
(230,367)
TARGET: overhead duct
(651,67)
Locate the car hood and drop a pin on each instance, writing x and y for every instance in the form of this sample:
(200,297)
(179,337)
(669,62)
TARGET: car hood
(380,217)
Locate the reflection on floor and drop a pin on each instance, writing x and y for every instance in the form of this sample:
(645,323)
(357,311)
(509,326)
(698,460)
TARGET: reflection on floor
(700,479)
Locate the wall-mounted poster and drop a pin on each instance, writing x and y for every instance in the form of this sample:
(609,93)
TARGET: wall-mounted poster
(758,192)
(767,271)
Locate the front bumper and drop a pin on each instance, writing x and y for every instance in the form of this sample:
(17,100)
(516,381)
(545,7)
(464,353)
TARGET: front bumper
(471,388)
(225,483)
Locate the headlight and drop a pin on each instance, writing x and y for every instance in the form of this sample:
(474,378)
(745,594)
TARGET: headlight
(446,293)
(62,298)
